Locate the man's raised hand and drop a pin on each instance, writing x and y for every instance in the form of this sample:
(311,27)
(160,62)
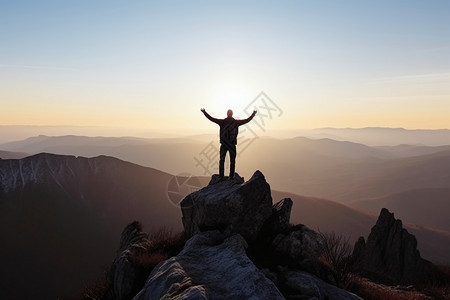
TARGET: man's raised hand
(202,110)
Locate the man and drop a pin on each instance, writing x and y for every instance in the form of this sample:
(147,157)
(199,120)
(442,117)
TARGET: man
(228,138)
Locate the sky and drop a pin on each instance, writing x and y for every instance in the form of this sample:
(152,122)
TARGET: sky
(153,65)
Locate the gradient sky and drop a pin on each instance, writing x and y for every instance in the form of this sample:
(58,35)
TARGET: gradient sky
(153,65)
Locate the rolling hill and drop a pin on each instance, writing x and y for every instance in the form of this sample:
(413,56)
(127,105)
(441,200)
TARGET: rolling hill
(12,155)
(338,170)
(426,207)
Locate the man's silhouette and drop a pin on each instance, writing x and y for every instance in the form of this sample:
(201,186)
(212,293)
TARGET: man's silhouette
(228,138)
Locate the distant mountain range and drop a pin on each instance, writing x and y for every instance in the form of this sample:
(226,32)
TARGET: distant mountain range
(337,170)
(382,136)
(420,206)
(10,155)
(373,136)
(61,218)
(341,171)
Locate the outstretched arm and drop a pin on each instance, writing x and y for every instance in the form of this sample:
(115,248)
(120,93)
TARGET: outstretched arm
(209,117)
(245,121)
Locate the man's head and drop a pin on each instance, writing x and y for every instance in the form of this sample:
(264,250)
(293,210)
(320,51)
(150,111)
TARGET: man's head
(229,113)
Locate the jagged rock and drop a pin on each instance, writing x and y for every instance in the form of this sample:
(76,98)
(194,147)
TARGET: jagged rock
(123,278)
(229,206)
(281,214)
(390,254)
(301,247)
(123,274)
(301,285)
(132,234)
(358,250)
(211,266)
(222,220)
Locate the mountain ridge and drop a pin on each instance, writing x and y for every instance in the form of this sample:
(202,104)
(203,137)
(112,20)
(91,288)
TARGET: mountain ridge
(338,170)
(421,206)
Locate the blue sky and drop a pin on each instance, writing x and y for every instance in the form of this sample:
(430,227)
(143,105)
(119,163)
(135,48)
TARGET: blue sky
(151,64)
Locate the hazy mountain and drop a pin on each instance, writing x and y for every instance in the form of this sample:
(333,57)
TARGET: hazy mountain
(77,145)
(426,207)
(382,136)
(413,150)
(325,172)
(387,177)
(373,136)
(12,155)
(9,133)
(172,155)
(342,171)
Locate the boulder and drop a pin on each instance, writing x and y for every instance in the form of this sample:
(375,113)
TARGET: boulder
(231,206)
(390,254)
(215,178)
(211,266)
(222,220)
(302,285)
(300,247)
(132,234)
(123,274)
(279,220)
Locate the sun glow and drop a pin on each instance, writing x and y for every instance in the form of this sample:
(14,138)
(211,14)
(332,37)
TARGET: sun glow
(226,96)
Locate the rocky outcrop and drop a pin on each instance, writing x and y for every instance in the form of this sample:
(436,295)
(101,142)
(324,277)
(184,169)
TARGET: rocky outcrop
(301,247)
(241,247)
(302,285)
(123,274)
(293,245)
(230,206)
(131,235)
(279,220)
(211,266)
(390,254)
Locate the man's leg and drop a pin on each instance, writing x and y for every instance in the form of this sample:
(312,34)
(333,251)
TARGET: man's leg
(223,152)
(232,150)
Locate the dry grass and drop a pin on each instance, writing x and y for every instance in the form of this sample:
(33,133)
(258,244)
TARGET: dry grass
(144,256)
(440,291)
(162,244)
(372,291)
(96,289)
(336,254)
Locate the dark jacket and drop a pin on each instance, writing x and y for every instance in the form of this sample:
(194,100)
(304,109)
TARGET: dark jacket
(228,128)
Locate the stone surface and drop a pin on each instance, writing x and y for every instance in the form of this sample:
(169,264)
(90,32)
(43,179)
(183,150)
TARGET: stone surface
(300,247)
(235,180)
(390,254)
(229,206)
(281,214)
(132,234)
(302,285)
(223,219)
(211,266)
(124,276)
